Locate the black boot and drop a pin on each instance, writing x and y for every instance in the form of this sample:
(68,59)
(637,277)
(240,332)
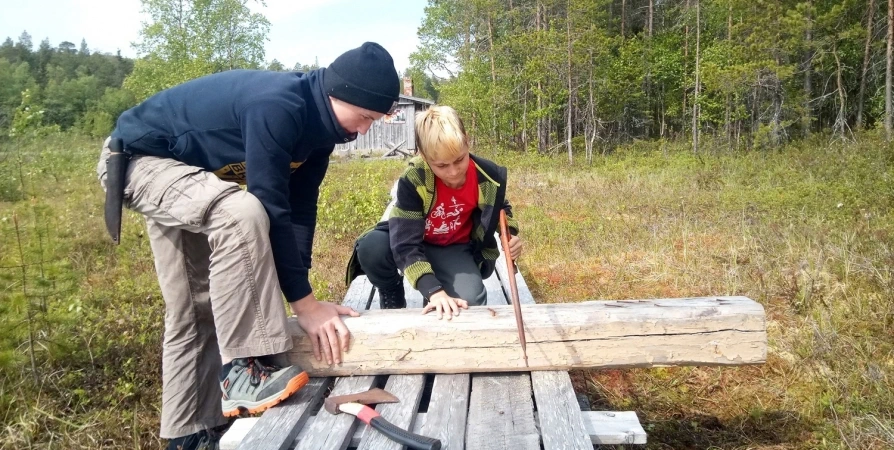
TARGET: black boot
(392,298)
(202,440)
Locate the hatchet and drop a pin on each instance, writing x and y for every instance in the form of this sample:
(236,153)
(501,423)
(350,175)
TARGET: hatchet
(356,405)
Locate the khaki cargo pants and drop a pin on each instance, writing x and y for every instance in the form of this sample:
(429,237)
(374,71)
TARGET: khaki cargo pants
(215,267)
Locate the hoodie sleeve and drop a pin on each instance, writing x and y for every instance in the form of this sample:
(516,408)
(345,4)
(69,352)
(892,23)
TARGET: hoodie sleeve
(304,187)
(270,132)
(406,227)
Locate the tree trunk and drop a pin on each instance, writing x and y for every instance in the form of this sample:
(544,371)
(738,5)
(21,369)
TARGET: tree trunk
(623,15)
(570,103)
(807,119)
(651,15)
(493,80)
(590,132)
(889,60)
(685,57)
(698,36)
(541,121)
(524,136)
(840,126)
(729,20)
(870,13)
(560,336)
(729,38)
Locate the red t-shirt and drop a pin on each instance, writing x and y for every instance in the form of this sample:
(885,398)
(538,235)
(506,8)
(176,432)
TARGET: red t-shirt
(450,218)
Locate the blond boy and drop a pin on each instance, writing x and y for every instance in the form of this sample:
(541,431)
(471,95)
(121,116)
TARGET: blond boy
(440,234)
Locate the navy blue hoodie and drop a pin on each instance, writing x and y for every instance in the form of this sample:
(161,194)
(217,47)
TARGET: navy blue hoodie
(273,131)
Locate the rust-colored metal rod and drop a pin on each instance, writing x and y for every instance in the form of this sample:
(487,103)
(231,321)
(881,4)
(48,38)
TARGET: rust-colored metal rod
(510,267)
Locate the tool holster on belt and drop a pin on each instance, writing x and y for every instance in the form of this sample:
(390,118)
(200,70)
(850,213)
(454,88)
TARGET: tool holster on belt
(116,167)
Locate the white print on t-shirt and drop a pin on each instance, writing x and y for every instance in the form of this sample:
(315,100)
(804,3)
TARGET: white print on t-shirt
(446,225)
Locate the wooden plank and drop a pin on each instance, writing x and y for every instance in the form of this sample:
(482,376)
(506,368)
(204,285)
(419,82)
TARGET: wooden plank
(561,423)
(447,411)
(614,428)
(279,426)
(501,413)
(334,431)
(495,294)
(359,294)
(407,388)
(600,334)
(237,432)
(603,428)
(502,271)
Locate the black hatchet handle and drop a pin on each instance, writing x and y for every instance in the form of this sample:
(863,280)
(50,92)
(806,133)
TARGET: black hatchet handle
(401,436)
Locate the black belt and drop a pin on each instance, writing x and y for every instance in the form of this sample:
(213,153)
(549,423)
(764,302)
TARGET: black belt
(116,168)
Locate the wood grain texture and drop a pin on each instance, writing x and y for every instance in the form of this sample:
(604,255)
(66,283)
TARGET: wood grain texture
(603,427)
(407,388)
(501,413)
(561,423)
(601,334)
(279,426)
(447,411)
(334,431)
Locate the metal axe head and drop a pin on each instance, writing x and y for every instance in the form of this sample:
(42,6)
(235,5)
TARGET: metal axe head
(365,398)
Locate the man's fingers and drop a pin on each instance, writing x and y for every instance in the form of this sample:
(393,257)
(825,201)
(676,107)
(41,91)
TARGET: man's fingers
(346,311)
(344,335)
(325,347)
(315,343)
(334,344)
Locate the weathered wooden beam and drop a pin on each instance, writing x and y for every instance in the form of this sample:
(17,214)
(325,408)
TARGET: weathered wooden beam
(603,428)
(598,334)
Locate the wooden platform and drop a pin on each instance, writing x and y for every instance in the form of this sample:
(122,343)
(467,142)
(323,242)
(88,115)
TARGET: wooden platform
(518,410)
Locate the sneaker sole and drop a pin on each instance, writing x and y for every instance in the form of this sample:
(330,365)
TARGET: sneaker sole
(295,384)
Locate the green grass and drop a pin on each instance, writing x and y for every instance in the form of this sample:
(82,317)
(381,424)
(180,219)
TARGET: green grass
(807,231)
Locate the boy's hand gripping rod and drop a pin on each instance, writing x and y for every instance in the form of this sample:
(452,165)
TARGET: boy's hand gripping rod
(510,268)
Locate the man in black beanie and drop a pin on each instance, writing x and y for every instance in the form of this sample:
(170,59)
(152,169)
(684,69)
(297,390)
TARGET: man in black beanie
(225,256)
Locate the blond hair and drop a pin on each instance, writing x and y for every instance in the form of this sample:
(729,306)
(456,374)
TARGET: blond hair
(440,133)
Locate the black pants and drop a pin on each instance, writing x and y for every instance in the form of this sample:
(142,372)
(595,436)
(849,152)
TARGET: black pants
(454,266)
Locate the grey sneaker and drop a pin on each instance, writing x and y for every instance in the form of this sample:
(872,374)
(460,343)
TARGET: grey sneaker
(251,386)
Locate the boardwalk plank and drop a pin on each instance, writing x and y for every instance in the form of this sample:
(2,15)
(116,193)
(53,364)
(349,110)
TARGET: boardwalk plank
(407,388)
(501,413)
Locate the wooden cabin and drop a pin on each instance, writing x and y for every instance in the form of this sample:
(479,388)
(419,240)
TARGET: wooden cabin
(392,132)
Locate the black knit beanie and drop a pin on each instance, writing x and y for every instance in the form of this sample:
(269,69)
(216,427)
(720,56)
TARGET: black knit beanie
(364,77)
